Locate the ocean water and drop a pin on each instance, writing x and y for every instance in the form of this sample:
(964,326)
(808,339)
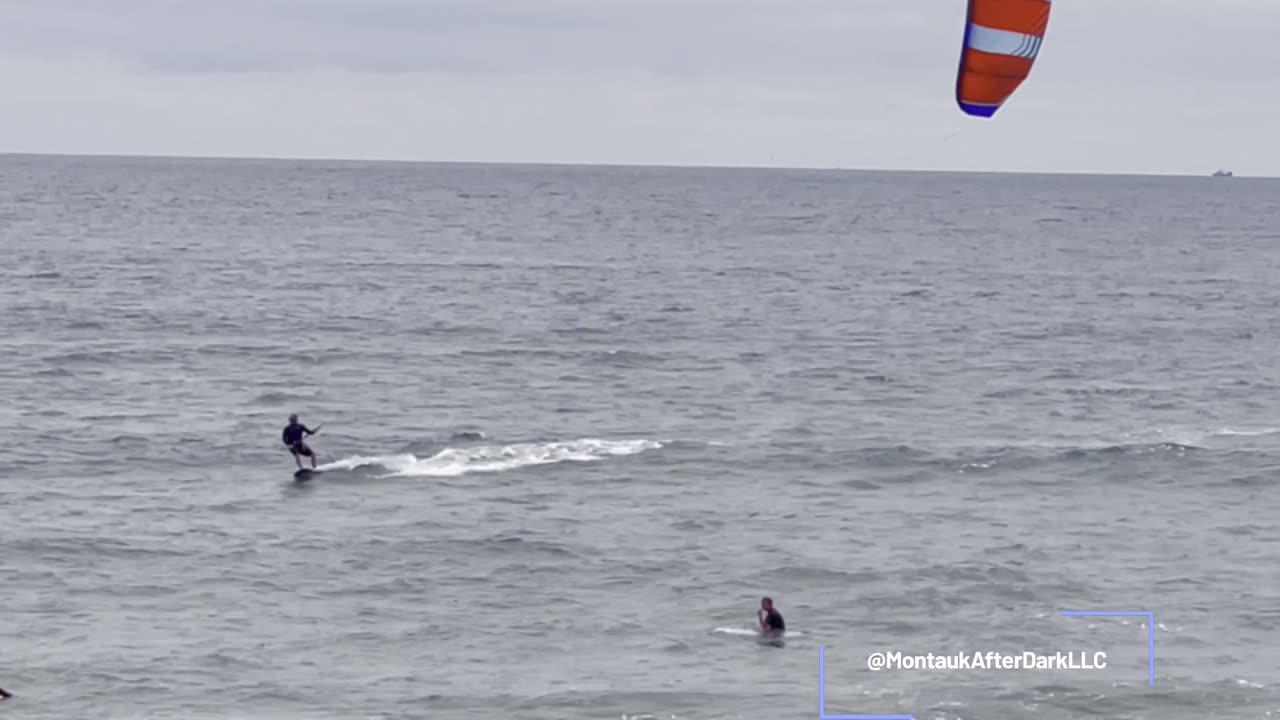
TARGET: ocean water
(577,421)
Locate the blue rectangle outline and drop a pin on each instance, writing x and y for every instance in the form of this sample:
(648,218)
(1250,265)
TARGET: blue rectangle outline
(1151,631)
(822,696)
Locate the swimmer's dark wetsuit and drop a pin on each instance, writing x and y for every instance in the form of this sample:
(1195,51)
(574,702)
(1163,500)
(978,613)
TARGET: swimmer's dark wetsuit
(293,438)
(774,622)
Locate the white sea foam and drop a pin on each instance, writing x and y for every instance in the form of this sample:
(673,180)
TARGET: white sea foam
(460,461)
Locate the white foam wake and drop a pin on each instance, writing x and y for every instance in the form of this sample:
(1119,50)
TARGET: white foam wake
(750,632)
(459,461)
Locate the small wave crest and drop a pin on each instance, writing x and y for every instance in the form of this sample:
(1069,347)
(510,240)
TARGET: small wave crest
(460,461)
(1229,432)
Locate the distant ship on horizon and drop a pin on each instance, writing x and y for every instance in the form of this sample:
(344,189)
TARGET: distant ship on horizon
(1222,173)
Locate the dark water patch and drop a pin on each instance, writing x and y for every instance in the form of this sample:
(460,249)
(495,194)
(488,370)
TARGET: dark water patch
(273,398)
(54,372)
(1250,480)
(892,456)
(104,548)
(1243,530)
(624,359)
(130,440)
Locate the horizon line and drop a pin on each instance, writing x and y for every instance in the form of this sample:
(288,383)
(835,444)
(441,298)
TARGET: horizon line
(616,165)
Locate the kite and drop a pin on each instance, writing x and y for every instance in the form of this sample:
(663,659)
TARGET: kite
(1001,41)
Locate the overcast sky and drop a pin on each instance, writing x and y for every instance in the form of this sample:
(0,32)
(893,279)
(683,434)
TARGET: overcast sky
(1154,86)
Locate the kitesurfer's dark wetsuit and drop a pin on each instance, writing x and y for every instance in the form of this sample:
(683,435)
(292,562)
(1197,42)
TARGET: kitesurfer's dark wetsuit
(293,438)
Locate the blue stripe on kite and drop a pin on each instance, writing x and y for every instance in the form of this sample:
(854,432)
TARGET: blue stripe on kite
(979,110)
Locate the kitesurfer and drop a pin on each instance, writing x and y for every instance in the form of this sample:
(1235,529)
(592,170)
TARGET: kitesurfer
(293,433)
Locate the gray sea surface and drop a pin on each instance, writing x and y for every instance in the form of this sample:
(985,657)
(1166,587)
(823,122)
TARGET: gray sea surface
(577,421)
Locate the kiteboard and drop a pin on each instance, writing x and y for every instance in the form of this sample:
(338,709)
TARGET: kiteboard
(306,474)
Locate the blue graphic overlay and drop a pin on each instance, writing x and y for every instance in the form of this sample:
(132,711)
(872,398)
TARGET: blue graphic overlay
(1151,631)
(822,696)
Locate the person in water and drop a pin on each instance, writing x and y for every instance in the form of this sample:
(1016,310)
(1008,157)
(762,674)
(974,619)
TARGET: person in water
(293,433)
(771,622)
